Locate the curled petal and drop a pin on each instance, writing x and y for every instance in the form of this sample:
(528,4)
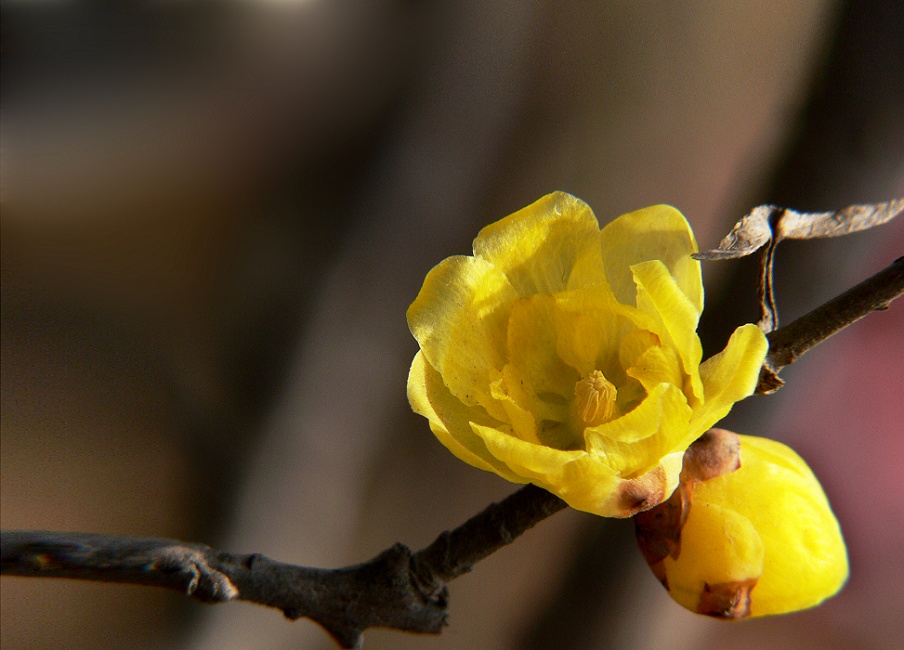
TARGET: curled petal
(730,375)
(641,493)
(527,459)
(659,233)
(659,295)
(639,439)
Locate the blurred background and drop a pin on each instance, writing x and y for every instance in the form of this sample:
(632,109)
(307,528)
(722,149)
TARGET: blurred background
(215,215)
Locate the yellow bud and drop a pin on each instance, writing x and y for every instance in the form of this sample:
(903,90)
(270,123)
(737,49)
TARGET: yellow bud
(594,399)
(754,541)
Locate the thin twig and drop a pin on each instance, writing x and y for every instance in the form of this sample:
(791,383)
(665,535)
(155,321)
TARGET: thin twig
(788,343)
(395,589)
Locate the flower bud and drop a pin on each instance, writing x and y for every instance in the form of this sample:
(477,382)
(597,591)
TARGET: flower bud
(757,540)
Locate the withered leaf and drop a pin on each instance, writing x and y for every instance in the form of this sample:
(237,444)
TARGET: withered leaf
(750,234)
(767,225)
(772,223)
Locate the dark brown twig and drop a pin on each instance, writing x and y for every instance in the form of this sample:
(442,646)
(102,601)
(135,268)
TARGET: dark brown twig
(395,589)
(788,343)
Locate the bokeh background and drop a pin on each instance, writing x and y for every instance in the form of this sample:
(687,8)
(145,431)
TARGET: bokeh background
(214,218)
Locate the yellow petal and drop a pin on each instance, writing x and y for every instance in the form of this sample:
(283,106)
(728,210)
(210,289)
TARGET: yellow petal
(590,326)
(635,442)
(660,233)
(585,482)
(659,295)
(522,421)
(589,270)
(635,344)
(731,375)
(459,319)
(526,459)
(537,247)
(657,365)
(546,408)
(718,547)
(588,488)
(450,419)
(532,342)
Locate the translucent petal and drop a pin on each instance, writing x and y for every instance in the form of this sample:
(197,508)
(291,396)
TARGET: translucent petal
(450,419)
(635,442)
(635,344)
(659,295)
(523,423)
(589,270)
(587,484)
(537,247)
(459,318)
(657,365)
(542,405)
(731,375)
(532,343)
(590,327)
(584,481)
(525,459)
(660,233)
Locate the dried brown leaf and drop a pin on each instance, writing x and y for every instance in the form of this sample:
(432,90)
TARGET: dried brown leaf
(811,225)
(750,234)
(767,223)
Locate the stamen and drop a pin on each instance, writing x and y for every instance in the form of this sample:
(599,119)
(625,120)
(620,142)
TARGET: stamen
(595,398)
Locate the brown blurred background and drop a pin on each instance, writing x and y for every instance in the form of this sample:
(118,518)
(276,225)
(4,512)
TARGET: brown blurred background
(216,214)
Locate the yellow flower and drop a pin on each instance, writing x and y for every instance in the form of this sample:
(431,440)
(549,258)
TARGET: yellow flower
(753,541)
(567,357)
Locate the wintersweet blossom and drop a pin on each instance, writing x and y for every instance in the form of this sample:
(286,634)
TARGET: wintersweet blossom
(567,357)
(751,535)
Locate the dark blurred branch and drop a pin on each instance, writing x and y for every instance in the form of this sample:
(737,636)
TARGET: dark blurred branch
(395,589)
(788,343)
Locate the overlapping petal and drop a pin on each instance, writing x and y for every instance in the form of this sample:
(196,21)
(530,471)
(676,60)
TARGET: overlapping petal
(568,357)
(660,233)
(450,418)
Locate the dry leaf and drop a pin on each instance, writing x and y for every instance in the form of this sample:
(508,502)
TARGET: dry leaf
(810,225)
(769,224)
(772,223)
(750,234)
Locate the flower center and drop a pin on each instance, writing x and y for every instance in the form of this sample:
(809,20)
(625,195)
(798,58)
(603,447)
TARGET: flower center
(595,398)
